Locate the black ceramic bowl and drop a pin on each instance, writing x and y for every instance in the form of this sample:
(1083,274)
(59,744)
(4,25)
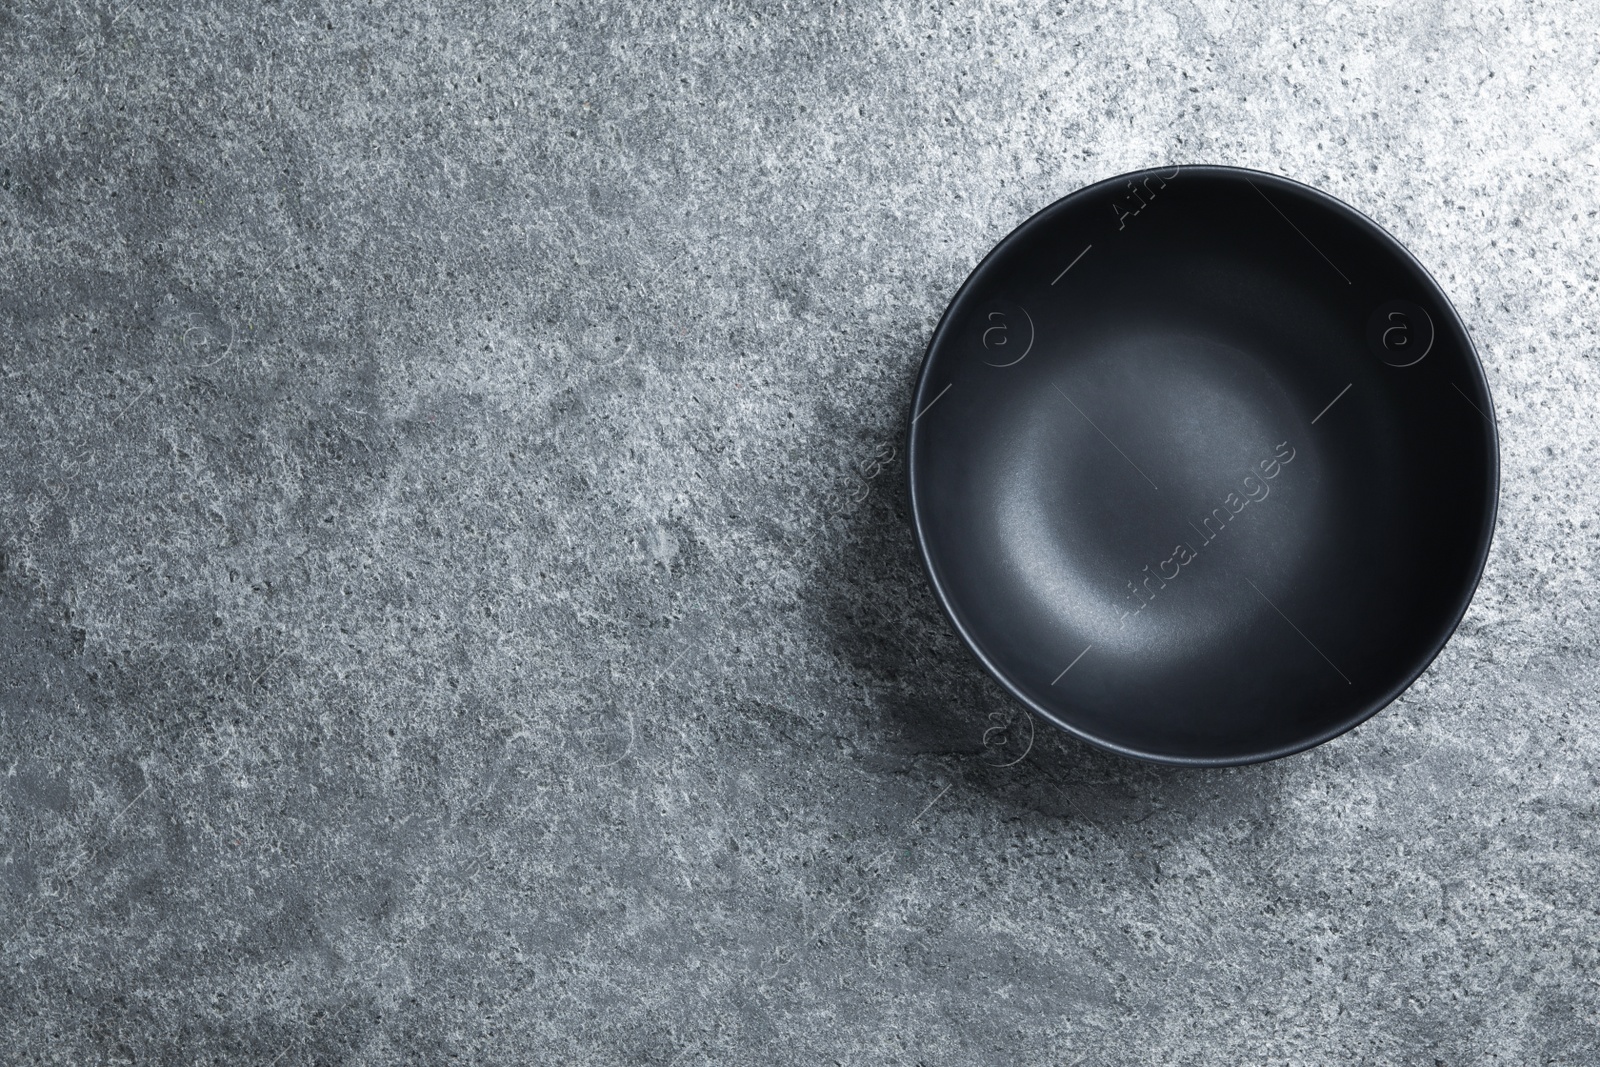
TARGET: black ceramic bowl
(1203,465)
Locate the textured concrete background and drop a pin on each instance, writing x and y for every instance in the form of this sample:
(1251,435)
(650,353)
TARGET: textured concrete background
(457,599)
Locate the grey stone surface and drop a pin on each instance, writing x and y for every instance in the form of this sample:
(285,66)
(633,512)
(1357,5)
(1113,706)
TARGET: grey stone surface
(457,602)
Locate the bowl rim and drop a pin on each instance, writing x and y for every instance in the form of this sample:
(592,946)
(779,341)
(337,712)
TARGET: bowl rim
(1490,504)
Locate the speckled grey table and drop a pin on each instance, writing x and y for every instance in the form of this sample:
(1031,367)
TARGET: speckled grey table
(457,601)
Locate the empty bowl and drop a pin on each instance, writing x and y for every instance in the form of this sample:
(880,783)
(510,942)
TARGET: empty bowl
(1203,466)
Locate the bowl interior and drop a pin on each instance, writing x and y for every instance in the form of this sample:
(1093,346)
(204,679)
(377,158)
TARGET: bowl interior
(1203,465)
